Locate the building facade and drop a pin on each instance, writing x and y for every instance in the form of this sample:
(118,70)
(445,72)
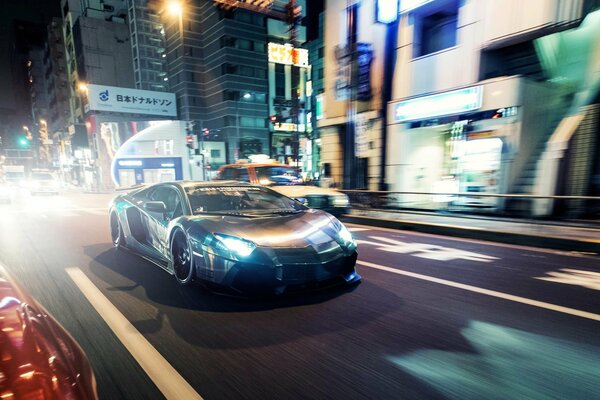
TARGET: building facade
(350,111)
(476,100)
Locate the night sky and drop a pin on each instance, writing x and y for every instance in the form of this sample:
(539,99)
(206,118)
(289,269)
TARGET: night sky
(22,26)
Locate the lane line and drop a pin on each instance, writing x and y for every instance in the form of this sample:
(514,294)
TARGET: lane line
(165,377)
(487,292)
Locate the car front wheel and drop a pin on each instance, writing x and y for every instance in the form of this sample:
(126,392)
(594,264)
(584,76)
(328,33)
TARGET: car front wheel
(116,231)
(182,262)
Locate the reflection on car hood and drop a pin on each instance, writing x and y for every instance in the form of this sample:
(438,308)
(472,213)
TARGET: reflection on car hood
(295,191)
(295,230)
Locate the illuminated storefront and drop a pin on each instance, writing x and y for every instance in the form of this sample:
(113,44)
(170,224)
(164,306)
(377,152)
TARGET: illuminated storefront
(457,141)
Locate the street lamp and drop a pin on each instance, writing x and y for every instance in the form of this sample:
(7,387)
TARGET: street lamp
(175,8)
(82,87)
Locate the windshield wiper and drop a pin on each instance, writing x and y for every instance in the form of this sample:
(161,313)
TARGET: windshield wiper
(226,213)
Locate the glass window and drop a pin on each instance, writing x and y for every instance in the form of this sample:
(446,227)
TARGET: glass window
(171,198)
(279,175)
(215,153)
(245,44)
(234,174)
(246,71)
(240,200)
(437,31)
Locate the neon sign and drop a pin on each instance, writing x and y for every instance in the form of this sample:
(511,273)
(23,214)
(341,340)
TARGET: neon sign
(438,105)
(288,55)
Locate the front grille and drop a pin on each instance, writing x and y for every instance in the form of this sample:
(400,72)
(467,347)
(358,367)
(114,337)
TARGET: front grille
(298,272)
(305,255)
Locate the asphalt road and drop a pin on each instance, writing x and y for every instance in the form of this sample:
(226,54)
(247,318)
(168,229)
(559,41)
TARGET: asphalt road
(435,317)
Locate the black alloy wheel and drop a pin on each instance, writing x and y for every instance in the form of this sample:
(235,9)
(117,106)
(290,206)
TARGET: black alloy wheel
(182,258)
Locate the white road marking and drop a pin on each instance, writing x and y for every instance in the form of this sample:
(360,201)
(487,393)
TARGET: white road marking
(487,292)
(586,279)
(476,241)
(424,250)
(358,229)
(165,377)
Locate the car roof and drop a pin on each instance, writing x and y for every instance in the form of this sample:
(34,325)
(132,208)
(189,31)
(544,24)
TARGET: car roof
(190,183)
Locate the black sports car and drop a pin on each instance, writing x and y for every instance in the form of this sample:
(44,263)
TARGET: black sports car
(245,237)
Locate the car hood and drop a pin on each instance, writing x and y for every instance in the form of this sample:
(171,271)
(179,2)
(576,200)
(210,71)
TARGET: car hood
(307,228)
(295,191)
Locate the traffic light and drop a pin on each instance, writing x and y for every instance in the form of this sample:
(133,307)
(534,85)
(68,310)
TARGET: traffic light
(189,141)
(273,118)
(23,142)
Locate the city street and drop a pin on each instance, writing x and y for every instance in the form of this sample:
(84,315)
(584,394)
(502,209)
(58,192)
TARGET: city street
(434,317)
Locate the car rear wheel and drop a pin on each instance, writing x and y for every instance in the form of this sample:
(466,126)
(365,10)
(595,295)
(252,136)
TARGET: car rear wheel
(116,231)
(182,262)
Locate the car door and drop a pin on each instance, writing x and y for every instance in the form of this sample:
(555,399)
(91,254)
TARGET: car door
(158,222)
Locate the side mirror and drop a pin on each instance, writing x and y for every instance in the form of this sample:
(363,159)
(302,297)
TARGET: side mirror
(302,200)
(155,207)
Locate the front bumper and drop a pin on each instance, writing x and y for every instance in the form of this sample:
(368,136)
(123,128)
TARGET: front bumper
(246,277)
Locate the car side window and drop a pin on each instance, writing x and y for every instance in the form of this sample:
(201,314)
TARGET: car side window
(172,201)
(235,174)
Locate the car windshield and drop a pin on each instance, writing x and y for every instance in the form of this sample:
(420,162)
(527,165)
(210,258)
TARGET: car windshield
(40,176)
(279,175)
(239,200)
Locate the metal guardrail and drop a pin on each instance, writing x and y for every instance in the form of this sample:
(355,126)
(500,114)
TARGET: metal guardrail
(475,194)
(513,204)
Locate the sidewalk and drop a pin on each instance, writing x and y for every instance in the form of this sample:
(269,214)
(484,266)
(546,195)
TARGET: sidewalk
(547,234)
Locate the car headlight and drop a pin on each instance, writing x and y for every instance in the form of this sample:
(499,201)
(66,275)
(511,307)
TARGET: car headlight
(238,246)
(340,201)
(345,235)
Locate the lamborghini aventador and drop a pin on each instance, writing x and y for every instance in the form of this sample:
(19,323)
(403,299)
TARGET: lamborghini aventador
(240,236)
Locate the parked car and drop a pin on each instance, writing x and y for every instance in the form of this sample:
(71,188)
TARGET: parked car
(43,183)
(287,181)
(40,360)
(237,236)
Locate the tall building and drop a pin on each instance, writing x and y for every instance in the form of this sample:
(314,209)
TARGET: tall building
(488,98)
(97,49)
(148,45)
(316,55)
(214,58)
(56,73)
(218,65)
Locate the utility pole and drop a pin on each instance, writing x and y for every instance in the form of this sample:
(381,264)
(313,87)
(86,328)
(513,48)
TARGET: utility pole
(293,13)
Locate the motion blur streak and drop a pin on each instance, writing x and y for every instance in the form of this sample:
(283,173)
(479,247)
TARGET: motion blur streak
(487,292)
(508,354)
(166,378)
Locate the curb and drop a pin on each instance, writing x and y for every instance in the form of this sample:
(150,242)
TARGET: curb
(548,242)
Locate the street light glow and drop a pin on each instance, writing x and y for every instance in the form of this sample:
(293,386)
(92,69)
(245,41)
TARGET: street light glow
(175,8)
(247,95)
(82,87)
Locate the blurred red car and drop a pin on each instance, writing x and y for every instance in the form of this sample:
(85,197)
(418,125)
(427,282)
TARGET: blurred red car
(38,358)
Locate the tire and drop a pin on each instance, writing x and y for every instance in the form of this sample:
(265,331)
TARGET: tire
(182,258)
(116,231)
